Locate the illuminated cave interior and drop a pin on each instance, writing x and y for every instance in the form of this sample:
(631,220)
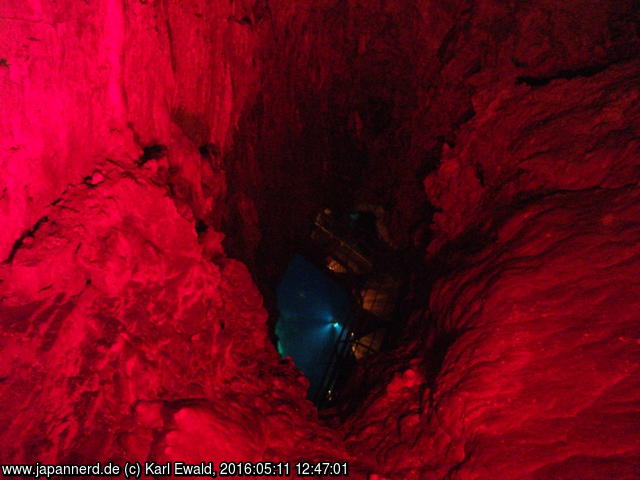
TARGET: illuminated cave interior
(338,307)
(314,312)
(461,177)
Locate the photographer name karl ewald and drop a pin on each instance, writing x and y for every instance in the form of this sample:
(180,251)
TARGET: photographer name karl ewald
(109,469)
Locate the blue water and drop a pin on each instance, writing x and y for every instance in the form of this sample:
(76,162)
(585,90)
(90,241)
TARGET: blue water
(314,311)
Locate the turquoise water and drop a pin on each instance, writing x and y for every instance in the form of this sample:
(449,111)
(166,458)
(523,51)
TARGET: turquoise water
(313,313)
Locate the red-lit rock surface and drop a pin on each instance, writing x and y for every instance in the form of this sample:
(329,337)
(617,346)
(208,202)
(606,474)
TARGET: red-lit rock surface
(529,361)
(126,335)
(540,377)
(120,339)
(571,135)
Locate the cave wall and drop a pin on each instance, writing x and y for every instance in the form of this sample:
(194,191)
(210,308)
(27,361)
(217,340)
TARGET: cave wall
(529,357)
(127,333)
(502,138)
(530,367)
(526,360)
(121,339)
(88,81)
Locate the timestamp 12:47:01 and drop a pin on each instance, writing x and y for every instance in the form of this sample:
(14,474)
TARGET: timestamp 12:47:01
(282,469)
(322,469)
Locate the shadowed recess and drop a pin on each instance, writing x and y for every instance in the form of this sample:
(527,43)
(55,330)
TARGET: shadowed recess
(314,312)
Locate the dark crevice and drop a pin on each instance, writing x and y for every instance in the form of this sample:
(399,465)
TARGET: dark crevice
(437,354)
(172,49)
(201,227)
(152,152)
(93,180)
(563,74)
(479,174)
(240,21)
(20,241)
(466,117)
(209,150)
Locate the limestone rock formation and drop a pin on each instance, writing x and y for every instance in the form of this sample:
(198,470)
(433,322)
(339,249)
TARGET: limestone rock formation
(160,161)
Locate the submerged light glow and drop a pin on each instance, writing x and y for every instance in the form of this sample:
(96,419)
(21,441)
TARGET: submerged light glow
(313,310)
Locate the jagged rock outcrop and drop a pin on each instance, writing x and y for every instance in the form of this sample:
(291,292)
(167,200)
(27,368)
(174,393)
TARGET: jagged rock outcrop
(122,340)
(537,360)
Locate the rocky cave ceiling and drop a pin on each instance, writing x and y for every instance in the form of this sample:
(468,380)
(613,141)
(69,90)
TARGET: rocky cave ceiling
(160,161)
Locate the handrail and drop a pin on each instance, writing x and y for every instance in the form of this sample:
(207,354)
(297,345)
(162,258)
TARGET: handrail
(344,243)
